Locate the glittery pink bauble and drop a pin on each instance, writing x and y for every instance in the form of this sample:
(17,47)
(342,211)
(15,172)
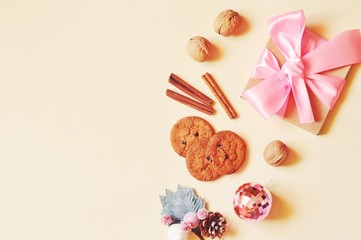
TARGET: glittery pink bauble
(252,202)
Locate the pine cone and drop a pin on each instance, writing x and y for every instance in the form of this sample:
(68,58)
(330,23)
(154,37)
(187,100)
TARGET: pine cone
(214,225)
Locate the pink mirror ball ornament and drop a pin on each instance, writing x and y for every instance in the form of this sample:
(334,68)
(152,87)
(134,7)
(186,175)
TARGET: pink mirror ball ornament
(252,202)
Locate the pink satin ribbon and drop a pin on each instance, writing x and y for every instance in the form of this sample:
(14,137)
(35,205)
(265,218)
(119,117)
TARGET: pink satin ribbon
(307,56)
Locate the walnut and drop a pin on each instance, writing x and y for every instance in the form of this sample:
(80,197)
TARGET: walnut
(199,48)
(228,23)
(275,153)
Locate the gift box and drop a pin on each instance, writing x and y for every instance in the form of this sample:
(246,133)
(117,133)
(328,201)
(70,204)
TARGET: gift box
(300,75)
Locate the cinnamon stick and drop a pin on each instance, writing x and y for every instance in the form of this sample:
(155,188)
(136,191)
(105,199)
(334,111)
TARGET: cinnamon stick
(190,102)
(211,83)
(190,90)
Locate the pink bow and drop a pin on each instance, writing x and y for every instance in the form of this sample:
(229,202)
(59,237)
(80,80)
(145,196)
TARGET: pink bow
(307,57)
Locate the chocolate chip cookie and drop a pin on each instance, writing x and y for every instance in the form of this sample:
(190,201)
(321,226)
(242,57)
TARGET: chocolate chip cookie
(227,151)
(199,166)
(188,129)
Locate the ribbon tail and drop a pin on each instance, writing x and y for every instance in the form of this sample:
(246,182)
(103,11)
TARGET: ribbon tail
(302,100)
(326,88)
(340,51)
(283,109)
(269,96)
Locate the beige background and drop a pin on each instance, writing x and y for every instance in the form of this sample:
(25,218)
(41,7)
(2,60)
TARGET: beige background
(84,121)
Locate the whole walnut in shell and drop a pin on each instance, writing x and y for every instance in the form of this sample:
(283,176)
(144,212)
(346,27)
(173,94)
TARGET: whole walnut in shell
(275,153)
(199,48)
(228,23)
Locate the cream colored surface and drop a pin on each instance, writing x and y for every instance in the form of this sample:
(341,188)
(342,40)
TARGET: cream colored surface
(84,121)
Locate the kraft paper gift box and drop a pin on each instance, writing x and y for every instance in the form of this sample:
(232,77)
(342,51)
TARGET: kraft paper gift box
(319,109)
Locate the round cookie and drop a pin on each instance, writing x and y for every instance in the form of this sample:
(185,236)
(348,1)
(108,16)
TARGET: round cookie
(187,129)
(227,150)
(198,165)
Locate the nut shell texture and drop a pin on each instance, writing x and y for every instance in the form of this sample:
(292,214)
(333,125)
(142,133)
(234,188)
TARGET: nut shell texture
(275,153)
(227,23)
(199,48)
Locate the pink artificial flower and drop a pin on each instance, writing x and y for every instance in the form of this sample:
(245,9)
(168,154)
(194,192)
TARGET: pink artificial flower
(166,220)
(202,213)
(186,226)
(192,218)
